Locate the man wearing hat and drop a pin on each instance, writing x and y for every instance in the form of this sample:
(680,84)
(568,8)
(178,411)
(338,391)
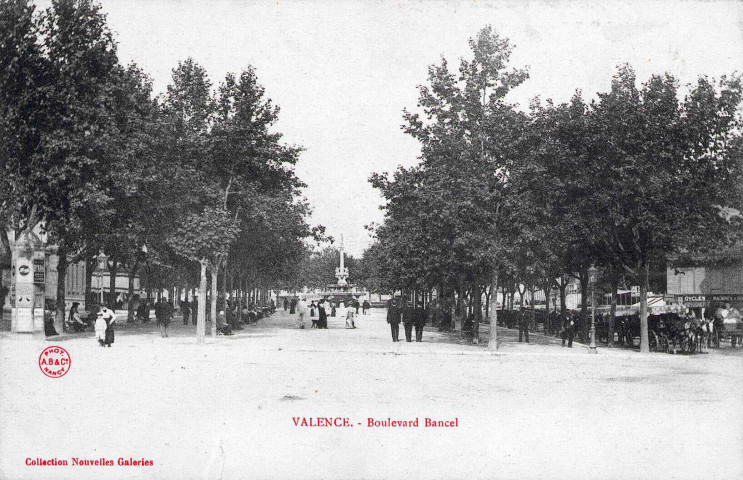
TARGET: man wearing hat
(393,318)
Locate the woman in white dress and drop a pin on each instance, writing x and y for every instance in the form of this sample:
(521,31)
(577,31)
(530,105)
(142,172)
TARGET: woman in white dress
(341,311)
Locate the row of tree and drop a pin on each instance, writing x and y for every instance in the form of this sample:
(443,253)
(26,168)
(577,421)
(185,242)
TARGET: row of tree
(505,198)
(192,187)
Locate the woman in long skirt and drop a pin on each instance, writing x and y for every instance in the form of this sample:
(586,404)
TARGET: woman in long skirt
(322,321)
(108,316)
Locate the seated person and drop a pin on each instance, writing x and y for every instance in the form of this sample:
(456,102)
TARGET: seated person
(252,313)
(143,312)
(74,323)
(223,327)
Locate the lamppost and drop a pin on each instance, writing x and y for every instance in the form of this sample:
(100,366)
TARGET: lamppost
(592,273)
(102,264)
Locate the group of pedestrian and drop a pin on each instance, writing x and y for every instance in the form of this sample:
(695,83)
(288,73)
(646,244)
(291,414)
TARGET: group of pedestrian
(567,329)
(400,311)
(308,311)
(104,327)
(323,308)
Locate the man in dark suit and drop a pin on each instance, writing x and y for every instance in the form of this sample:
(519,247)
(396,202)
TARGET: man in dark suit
(419,320)
(523,325)
(568,329)
(163,314)
(407,320)
(393,318)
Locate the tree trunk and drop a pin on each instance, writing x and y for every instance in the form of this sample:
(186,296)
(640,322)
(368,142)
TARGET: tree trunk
(613,311)
(533,310)
(493,340)
(89,267)
(583,278)
(201,319)
(61,288)
(644,281)
(563,304)
(470,302)
(477,306)
(512,297)
(131,312)
(224,283)
(460,306)
(213,303)
(5,250)
(112,284)
(452,309)
(149,286)
(238,297)
(488,294)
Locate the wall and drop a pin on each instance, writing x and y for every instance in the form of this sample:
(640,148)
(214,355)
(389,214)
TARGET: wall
(706,280)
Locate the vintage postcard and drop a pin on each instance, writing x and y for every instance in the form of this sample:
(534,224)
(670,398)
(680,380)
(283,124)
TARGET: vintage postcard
(384,239)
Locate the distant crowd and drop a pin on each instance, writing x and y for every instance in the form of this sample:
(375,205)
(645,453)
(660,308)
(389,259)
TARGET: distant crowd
(318,312)
(232,315)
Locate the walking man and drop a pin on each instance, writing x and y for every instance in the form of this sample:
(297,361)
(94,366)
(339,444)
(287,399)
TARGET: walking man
(163,310)
(419,320)
(393,318)
(302,312)
(407,321)
(568,329)
(523,325)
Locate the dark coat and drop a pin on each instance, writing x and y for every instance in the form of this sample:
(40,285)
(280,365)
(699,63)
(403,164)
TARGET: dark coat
(419,317)
(393,313)
(408,315)
(109,332)
(163,312)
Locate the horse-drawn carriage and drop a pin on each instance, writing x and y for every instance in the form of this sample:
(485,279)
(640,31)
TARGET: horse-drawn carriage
(729,322)
(668,332)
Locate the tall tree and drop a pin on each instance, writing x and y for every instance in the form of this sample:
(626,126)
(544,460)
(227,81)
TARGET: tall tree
(664,170)
(469,137)
(65,111)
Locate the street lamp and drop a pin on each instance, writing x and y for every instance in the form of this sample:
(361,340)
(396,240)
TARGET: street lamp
(592,274)
(102,264)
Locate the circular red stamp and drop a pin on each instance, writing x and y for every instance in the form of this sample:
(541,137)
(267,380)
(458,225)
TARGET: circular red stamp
(54,361)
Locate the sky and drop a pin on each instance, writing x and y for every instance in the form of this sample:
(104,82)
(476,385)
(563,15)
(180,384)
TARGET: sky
(343,71)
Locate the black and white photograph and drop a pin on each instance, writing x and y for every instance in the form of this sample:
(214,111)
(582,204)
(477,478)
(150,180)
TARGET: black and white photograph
(371,239)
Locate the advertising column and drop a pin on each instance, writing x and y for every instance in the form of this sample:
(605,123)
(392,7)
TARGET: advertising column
(23,276)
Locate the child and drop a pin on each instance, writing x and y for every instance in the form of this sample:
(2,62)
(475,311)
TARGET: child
(349,319)
(100,329)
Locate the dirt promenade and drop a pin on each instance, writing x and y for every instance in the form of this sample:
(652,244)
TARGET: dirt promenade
(228,409)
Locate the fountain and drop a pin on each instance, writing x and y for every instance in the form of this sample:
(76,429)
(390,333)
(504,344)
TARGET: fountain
(341,291)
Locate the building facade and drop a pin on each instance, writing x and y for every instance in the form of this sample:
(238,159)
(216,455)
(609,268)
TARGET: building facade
(708,286)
